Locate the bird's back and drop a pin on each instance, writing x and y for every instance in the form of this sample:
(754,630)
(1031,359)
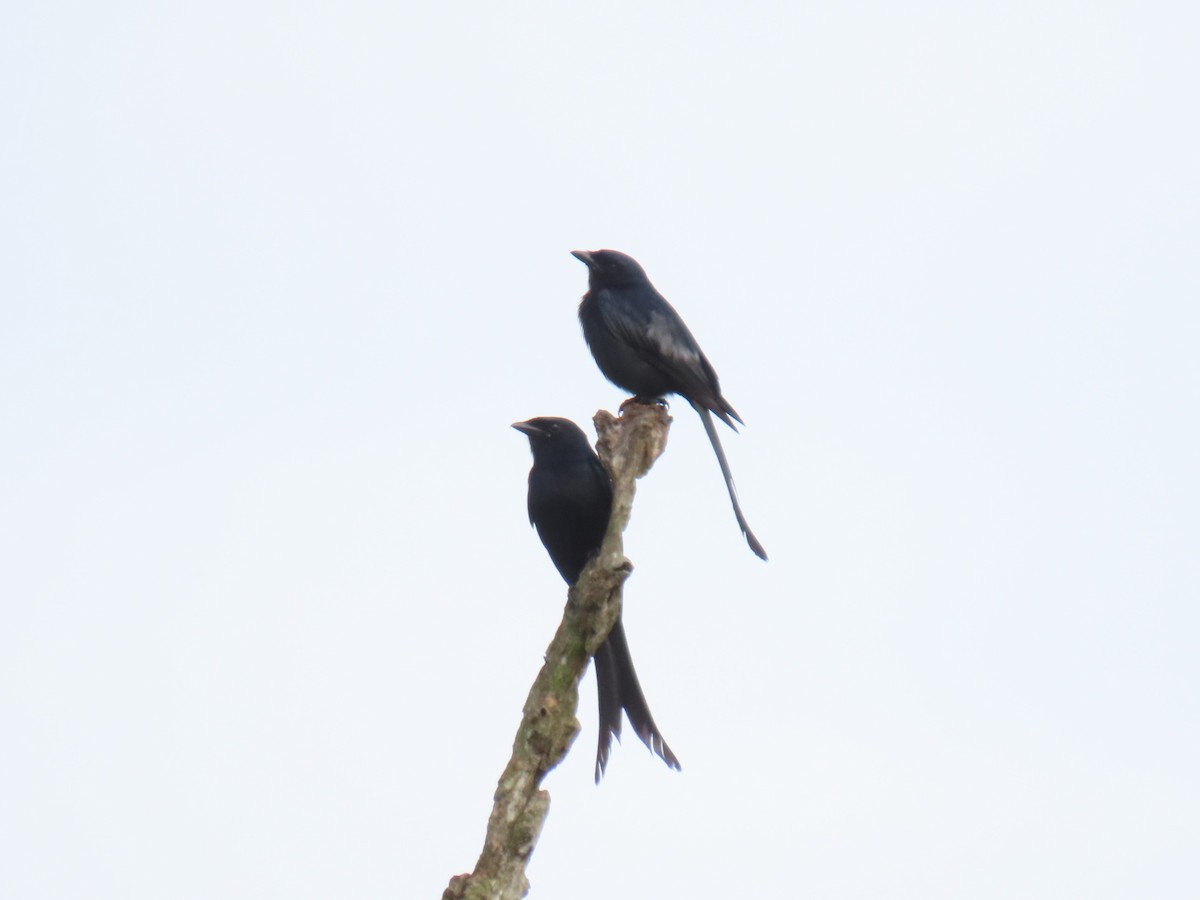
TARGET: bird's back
(642,345)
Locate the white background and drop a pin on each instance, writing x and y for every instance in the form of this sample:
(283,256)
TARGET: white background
(277,278)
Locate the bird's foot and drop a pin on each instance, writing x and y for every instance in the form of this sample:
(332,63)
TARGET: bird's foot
(660,402)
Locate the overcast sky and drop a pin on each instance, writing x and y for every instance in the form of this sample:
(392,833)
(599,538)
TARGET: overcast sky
(277,278)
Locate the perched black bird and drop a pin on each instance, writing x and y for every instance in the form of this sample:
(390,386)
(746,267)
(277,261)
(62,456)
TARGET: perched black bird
(570,502)
(641,345)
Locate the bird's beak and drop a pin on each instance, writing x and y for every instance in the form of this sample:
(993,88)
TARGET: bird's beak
(583,256)
(527,428)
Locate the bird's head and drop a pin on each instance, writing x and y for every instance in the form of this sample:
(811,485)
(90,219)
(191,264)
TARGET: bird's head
(610,268)
(549,433)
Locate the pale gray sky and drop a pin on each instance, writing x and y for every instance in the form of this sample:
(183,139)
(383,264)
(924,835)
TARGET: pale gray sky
(278,277)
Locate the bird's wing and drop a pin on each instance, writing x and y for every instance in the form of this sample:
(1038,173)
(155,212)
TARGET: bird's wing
(656,333)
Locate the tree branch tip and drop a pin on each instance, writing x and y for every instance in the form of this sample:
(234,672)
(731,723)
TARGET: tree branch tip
(630,445)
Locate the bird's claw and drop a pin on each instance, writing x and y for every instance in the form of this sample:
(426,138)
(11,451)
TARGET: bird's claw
(660,402)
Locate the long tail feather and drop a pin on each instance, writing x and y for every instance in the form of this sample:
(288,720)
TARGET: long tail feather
(711,428)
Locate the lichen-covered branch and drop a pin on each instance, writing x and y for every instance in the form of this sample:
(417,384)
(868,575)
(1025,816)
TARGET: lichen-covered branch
(628,447)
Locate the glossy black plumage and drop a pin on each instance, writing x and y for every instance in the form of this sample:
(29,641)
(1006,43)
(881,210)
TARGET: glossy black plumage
(642,345)
(570,503)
